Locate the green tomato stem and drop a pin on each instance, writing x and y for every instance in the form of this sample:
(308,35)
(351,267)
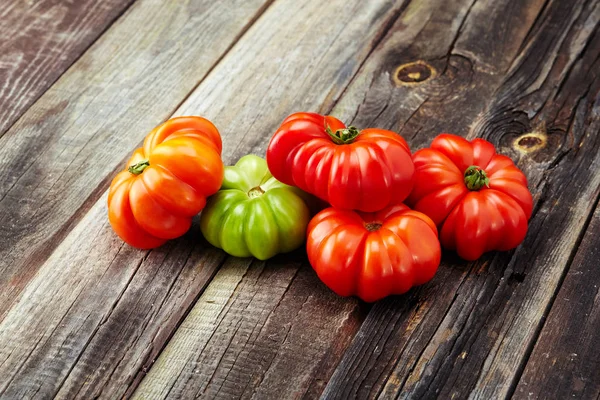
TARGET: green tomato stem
(476,178)
(138,168)
(342,136)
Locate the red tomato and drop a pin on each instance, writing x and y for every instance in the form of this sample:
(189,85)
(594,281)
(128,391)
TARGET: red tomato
(166,182)
(373,255)
(478,199)
(361,170)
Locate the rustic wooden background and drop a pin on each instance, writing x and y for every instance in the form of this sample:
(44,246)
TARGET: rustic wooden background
(84,316)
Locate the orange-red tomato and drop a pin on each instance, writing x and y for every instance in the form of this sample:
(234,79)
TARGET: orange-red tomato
(478,199)
(373,255)
(355,170)
(166,182)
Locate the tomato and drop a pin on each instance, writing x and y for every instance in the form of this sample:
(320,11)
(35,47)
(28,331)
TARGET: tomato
(166,182)
(478,199)
(254,214)
(373,255)
(350,169)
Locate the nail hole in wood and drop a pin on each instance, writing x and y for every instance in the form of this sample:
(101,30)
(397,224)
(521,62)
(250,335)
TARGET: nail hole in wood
(413,73)
(530,142)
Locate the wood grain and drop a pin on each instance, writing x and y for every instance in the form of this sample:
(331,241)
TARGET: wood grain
(40,40)
(97,313)
(87,316)
(93,316)
(469,332)
(564,363)
(240,355)
(58,159)
(249,335)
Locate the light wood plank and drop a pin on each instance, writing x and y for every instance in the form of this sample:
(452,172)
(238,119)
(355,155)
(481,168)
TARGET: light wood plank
(58,159)
(92,293)
(40,40)
(105,345)
(243,357)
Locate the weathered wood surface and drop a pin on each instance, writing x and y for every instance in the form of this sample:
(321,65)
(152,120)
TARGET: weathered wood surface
(58,159)
(564,363)
(80,332)
(71,344)
(513,68)
(40,40)
(86,316)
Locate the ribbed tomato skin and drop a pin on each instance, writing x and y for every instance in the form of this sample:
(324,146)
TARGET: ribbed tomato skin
(352,258)
(185,167)
(373,171)
(471,222)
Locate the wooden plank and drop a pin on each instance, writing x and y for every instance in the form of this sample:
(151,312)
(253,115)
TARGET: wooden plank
(40,40)
(58,159)
(94,315)
(229,355)
(246,317)
(469,332)
(565,363)
(98,313)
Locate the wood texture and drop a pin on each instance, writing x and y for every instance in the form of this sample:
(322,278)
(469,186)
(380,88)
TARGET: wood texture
(40,40)
(565,363)
(93,316)
(98,313)
(469,332)
(249,335)
(287,342)
(85,316)
(58,159)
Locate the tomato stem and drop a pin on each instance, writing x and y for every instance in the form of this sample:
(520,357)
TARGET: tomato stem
(373,226)
(138,168)
(342,136)
(476,178)
(255,192)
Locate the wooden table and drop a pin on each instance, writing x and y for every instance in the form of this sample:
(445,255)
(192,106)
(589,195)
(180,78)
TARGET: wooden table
(85,316)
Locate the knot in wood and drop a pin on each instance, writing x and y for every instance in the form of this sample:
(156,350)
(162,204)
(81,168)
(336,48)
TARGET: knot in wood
(530,142)
(413,73)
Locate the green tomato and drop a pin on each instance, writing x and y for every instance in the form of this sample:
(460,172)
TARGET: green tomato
(254,214)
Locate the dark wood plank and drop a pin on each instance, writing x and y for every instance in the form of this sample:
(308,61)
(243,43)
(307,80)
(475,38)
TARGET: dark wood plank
(58,159)
(514,68)
(40,40)
(94,314)
(565,363)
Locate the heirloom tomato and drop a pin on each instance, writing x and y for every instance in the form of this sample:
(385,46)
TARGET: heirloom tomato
(166,182)
(373,255)
(350,169)
(478,199)
(254,214)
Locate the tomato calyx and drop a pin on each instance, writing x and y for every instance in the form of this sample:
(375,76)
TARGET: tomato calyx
(476,178)
(139,167)
(342,136)
(373,226)
(255,192)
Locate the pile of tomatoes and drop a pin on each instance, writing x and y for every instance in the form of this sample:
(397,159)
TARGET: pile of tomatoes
(379,207)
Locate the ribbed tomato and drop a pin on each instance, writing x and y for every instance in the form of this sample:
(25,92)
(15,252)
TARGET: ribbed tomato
(166,182)
(478,198)
(373,255)
(350,169)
